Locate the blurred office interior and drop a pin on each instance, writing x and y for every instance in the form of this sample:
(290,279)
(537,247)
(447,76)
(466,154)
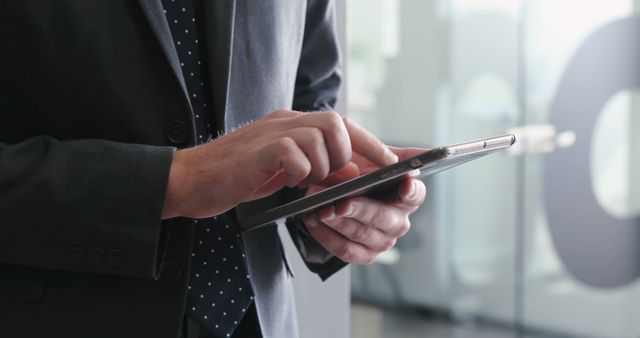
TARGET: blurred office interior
(542,241)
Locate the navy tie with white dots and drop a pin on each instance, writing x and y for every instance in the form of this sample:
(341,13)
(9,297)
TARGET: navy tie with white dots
(220,290)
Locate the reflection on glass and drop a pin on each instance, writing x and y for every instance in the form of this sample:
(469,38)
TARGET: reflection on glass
(425,73)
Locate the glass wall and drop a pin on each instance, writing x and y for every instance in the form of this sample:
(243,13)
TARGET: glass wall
(544,238)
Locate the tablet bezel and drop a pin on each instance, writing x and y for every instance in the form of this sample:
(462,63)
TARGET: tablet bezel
(429,163)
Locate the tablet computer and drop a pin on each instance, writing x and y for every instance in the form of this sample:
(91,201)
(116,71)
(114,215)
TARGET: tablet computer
(379,182)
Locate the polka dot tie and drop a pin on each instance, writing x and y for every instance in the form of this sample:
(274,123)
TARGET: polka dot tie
(219,288)
(219,291)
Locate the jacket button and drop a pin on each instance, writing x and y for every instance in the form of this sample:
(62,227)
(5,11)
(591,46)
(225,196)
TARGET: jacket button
(177,132)
(58,254)
(170,273)
(115,257)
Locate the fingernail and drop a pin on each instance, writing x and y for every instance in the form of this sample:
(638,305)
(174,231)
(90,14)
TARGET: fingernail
(390,156)
(349,211)
(330,216)
(413,190)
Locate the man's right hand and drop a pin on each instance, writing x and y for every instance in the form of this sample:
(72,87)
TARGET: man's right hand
(286,148)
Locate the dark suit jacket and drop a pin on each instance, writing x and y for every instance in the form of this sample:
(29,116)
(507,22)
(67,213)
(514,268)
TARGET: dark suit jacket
(92,109)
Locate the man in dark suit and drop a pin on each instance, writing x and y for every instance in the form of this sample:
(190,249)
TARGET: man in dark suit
(117,205)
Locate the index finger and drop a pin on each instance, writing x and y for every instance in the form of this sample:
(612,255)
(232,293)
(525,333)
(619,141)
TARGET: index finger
(369,146)
(404,153)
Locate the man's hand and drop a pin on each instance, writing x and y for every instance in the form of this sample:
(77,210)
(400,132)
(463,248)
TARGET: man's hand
(358,229)
(286,148)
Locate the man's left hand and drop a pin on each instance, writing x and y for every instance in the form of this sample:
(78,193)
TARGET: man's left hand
(358,229)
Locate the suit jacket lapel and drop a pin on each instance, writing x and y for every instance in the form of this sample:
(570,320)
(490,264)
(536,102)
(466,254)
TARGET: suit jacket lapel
(217,33)
(154,13)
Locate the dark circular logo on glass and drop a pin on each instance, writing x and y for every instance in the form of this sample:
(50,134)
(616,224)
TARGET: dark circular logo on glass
(596,247)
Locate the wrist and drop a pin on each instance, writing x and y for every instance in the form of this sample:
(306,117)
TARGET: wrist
(176,186)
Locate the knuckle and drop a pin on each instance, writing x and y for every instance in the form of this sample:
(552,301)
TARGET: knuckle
(381,217)
(360,234)
(285,145)
(334,120)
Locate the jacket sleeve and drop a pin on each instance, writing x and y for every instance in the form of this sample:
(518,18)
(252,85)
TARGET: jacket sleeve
(319,73)
(84,205)
(317,86)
